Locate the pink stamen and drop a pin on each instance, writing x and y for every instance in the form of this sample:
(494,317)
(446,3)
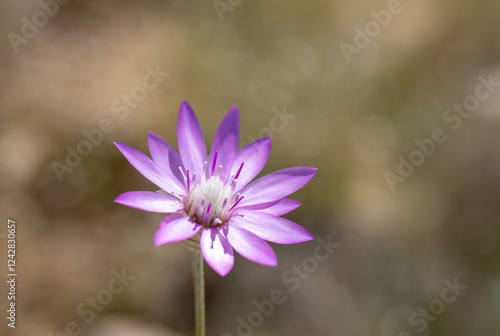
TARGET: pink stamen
(213,164)
(235,204)
(239,171)
(206,214)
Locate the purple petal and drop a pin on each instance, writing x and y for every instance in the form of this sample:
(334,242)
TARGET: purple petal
(216,250)
(251,247)
(282,207)
(254,157)
(174,228)
(276,185)
(271,228)
(226,143)
(166,157)
(150,170)
(150,201)
(190,139)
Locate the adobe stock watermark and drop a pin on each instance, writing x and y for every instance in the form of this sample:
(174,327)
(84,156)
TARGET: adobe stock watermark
(292,278)
(121,107)
(88,308)
(364,36)
(277,124)
(426,315)
(453,118)
(222,6)
(30,28)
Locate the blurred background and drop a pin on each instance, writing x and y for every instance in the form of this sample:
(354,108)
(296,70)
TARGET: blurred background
(350,87)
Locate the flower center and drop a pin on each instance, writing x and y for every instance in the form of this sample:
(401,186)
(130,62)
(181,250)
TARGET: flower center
(211,201)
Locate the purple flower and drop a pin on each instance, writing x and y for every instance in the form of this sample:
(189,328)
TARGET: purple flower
(212,195)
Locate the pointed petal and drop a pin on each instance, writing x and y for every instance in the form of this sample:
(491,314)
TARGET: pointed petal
(149,170)
(276,185)
(226,143)
(190,139)
(166,157)
(271,228)
(254,157)
(251,247)
(150,201)
(282,207)
(216,250)
(174,228)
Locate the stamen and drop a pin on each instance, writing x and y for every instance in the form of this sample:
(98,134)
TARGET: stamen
(213,164)
(206,216)
(235,204)
(239,171)
(182,172)
(205,164)
(247,191)
(219,171)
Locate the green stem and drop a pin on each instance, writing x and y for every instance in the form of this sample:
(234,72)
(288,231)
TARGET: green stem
(199,293)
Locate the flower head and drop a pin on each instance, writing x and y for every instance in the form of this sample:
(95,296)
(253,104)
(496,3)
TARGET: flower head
(214,196)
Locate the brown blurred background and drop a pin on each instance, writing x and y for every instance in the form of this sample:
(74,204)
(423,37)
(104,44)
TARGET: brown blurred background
(352,117)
